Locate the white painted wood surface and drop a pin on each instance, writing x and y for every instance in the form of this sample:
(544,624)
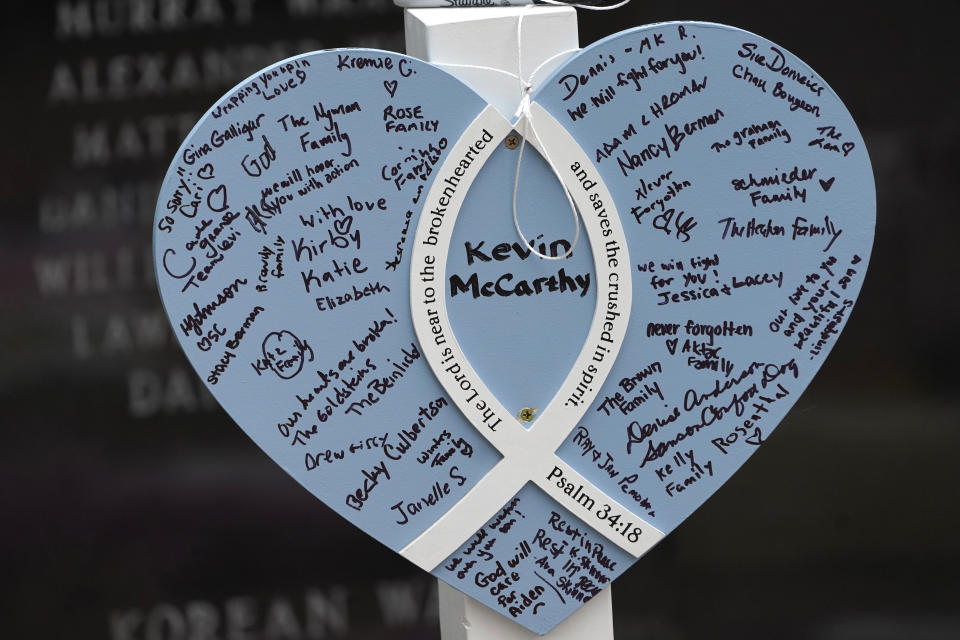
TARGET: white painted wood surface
(457,39)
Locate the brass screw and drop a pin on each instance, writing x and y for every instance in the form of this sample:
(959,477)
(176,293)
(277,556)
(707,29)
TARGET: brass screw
(512,141)
(526,415)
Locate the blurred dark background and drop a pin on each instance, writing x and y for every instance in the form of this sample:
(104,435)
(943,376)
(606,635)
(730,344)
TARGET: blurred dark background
(132,507)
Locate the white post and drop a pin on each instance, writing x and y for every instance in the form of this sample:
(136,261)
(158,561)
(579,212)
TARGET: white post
(463,618)
(488,37)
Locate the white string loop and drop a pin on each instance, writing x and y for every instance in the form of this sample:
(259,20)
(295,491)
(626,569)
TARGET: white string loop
(524,115)
(590,7)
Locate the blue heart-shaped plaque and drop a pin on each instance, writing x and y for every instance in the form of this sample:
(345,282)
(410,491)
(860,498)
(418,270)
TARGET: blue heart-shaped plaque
(337,253)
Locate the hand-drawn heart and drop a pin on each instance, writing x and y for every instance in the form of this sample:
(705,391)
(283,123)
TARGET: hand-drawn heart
(362,305)
(205,172)
(217,198)
(342,225)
